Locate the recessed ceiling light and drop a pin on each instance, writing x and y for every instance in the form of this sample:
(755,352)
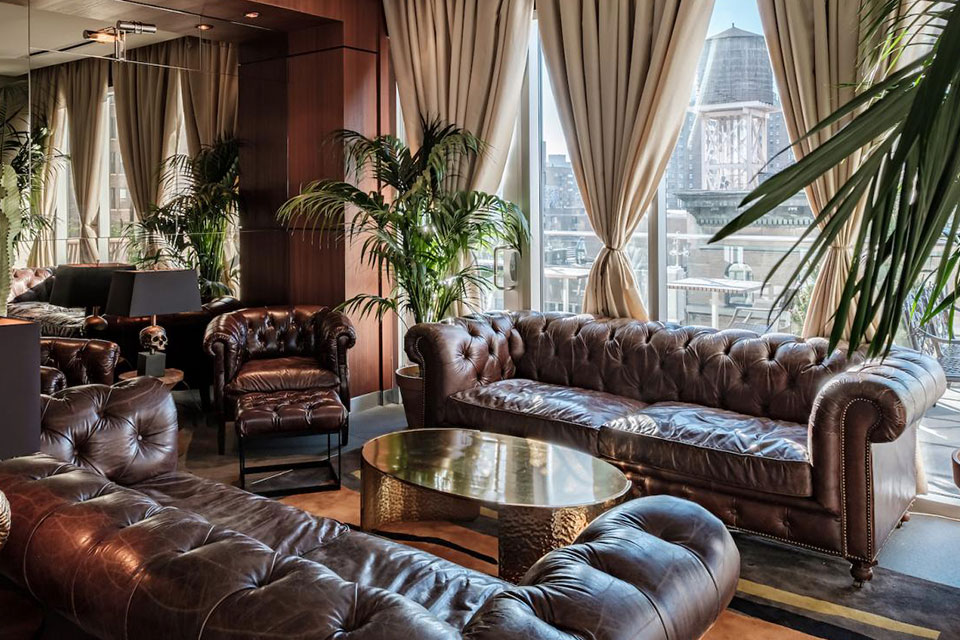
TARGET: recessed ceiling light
(203,26)
(251,14)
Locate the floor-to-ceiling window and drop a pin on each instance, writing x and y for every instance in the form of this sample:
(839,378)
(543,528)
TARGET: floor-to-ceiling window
(732,138)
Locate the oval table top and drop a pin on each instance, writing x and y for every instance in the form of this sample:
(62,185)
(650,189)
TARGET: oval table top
(496,469)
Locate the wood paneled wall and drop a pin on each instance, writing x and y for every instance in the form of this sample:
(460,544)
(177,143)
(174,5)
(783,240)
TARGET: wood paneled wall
(295,90)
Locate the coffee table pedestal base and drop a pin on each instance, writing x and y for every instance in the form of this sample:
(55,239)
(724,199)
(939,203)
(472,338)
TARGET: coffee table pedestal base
(526,534)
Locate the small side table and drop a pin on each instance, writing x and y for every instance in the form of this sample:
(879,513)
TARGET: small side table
(170,379)
(4,519)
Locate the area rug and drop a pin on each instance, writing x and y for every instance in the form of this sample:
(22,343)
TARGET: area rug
(784,593)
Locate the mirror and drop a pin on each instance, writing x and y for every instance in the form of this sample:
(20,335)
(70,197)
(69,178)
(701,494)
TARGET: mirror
(15,133)
(134,111)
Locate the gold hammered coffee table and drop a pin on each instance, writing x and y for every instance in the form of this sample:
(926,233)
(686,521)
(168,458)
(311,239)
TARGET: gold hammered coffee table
(544,494)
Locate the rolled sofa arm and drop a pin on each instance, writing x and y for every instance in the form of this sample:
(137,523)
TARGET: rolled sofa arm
(51,380)
(126,432)
(225,341)
(335,335)
(459,355)
(857,415)
(654,567)
(877,400)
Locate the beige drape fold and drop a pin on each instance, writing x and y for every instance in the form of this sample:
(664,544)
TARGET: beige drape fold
(622,73)
(145,92)
(462,61)
(209,83)
(85,92)
(814,51)
(47,109)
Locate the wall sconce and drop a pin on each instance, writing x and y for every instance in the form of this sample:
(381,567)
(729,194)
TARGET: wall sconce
(117,34)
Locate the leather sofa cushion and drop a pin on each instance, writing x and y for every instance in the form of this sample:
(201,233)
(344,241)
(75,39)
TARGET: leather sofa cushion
(308,411)
(449,591)
(713,444)
(563,415)
(282,374)
(284,529)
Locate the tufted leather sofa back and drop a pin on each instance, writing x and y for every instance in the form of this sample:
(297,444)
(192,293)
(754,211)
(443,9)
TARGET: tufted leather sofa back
(276,332)
(81,361)
(774,375)
(29,285)
(126,432)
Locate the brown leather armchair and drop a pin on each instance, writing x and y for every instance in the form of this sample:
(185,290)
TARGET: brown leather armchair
(109,536)
(283,348)
(771,433)
(68,362)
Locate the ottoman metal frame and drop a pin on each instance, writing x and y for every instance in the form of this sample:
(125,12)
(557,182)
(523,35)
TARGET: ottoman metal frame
(322,463)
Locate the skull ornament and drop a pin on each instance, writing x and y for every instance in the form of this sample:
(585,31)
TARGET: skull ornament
(153,338)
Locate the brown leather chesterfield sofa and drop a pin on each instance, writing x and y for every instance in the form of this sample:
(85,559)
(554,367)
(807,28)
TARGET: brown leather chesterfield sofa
(770,433)
(283,348)
(107,535)
(68,362)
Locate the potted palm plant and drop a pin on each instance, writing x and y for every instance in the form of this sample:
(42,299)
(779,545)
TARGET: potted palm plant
(190,230)
(908,181)
(419,227)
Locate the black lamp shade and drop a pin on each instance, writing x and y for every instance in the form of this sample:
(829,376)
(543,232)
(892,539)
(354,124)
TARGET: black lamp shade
(84,285)
(148,293)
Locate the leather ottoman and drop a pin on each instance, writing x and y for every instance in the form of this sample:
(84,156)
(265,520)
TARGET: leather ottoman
(304,412)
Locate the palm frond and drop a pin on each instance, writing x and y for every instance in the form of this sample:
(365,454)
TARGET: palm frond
(908,182)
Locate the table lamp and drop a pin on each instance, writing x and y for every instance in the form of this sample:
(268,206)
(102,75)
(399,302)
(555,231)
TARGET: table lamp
(153,293)
(85,286)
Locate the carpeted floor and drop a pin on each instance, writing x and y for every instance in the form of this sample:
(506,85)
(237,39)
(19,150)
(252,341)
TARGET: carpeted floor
(784,593)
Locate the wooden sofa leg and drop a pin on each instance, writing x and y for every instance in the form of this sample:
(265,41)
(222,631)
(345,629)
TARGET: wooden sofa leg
(221,435)
(862,571)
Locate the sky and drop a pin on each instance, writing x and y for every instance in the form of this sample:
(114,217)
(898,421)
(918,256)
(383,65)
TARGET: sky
(743,13)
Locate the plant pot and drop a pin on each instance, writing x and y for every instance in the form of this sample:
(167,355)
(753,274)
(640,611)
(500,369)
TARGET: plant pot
(411,392)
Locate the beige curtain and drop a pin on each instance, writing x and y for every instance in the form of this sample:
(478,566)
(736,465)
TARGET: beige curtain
(85,91)
(145,92)
(814,51)
(210,87)
(462,61)
(622,73)
(47,109)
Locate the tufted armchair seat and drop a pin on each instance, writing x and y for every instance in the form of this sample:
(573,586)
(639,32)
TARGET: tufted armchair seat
(110,539)
(68,362)
(772,433)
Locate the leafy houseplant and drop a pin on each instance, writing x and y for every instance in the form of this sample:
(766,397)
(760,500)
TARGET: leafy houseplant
(24,149)
(908,178)
(190,230)
(417,227)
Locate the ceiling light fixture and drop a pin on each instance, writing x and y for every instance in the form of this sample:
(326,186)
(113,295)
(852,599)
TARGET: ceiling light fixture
(117,35)
(252,14)
(203,26)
